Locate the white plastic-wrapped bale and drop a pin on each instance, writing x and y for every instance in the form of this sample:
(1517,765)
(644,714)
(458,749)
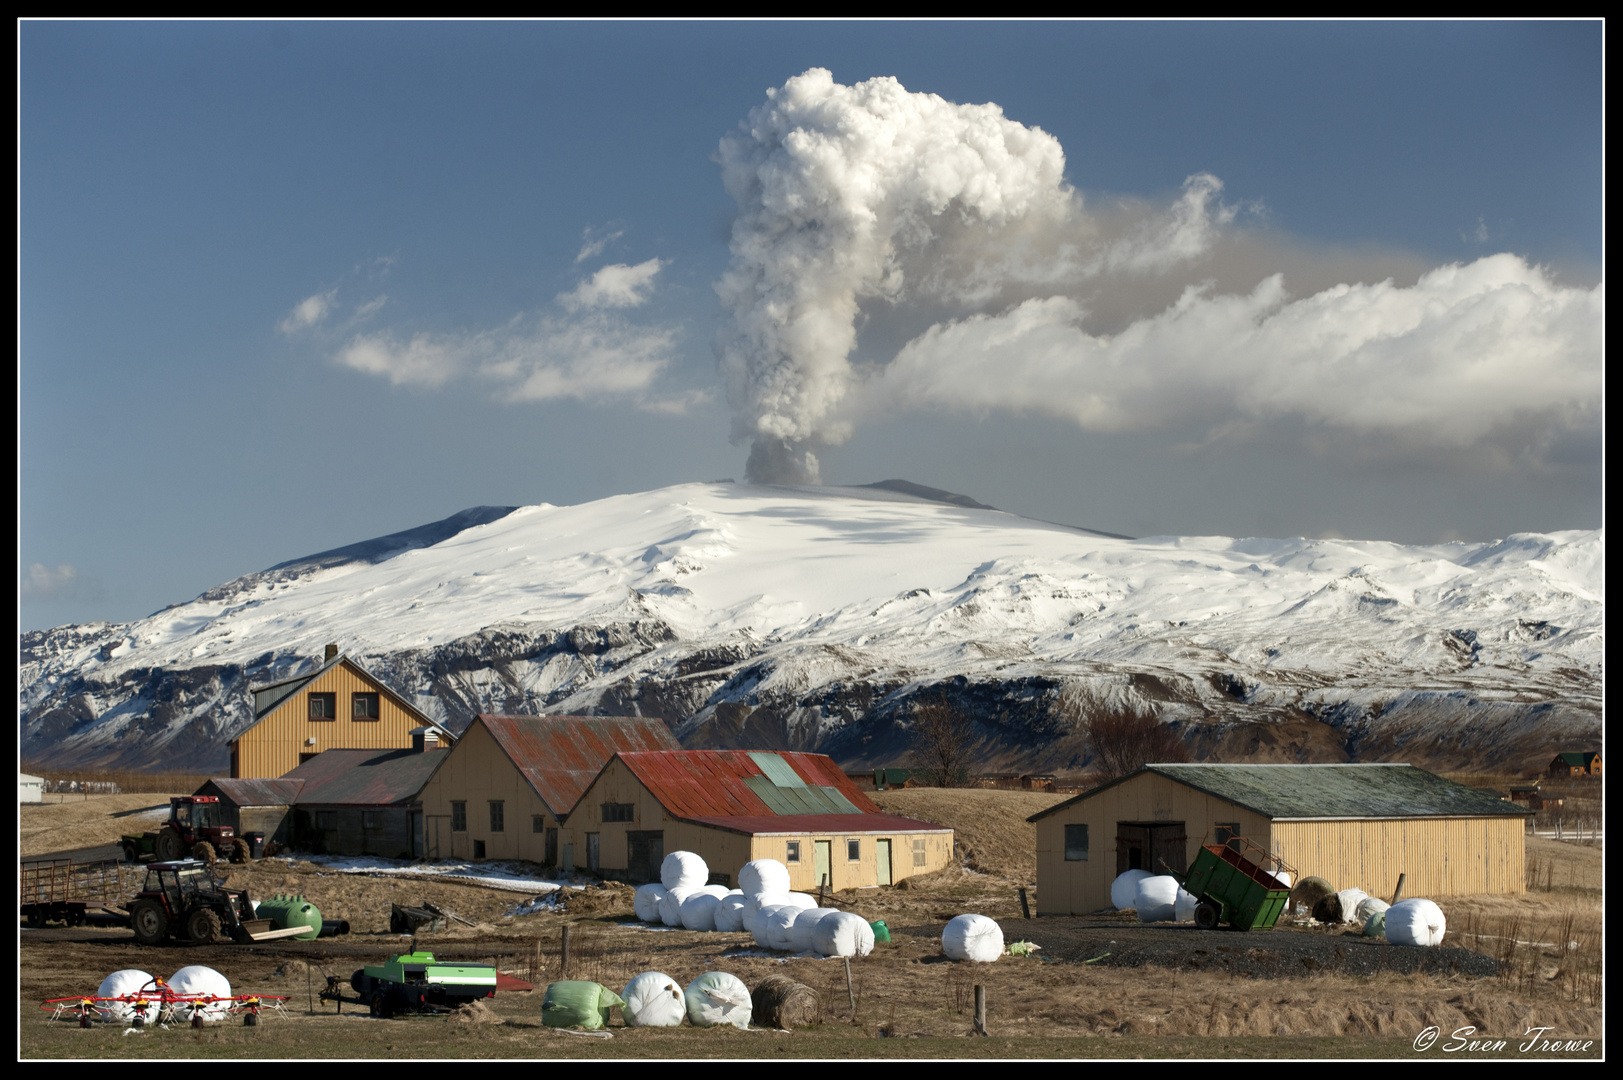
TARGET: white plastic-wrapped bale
(730,913)
(1156,899)
(844,933)
(757,925)
(1369,906)
(805,926)
(777,926)
(1415,922)
(119,984)
(699,911)
(756,904)
(802,900)
(718,998)
(209,986)
(1184,909)
(654,999)
(764,876)
(683,870)
(645,902)
(1125,888)
(1283,878)
(718,891)
(972,937)
(1350,899)
(670,906)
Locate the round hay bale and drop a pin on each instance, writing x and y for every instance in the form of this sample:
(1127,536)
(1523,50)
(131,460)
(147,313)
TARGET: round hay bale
(1308,892)
(683,870)
(780,1002)
(764,876)
(730,913)
(1125,888)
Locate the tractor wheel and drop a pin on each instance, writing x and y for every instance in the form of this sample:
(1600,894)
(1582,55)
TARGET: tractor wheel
(1208,915)
(204,852)
(169,846)
(240,852)
(150,922)
(203,926)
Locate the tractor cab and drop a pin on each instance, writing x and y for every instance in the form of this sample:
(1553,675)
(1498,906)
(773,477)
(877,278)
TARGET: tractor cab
(198,826)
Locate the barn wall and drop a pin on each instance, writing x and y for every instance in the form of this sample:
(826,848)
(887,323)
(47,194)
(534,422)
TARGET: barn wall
(477,771)
(384,831)
(1075,888)
(1439,856)
(272,746)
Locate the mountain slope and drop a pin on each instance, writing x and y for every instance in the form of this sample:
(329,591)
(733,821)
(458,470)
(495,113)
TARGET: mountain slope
(810,617)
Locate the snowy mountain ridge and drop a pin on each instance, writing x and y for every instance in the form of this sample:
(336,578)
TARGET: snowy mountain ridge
(812,618)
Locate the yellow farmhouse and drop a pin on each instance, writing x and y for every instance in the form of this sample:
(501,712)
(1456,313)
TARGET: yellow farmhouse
(1353,825)
(340,706)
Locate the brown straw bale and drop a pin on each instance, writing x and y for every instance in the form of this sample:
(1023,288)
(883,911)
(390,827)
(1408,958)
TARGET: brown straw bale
(780,1002)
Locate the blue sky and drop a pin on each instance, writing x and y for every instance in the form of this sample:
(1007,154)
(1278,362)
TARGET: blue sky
(286,286)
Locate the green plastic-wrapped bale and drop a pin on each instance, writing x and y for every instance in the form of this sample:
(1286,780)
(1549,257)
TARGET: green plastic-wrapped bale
(578,1003)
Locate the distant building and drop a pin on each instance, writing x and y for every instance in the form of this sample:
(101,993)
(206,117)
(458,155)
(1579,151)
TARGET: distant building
(1572,763)
(340,706)
(30,789)
(1353,825)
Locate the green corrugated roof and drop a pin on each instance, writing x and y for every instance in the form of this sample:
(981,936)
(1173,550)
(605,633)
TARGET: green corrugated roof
(778,771)
(804,799)
(1285,792)
(1577,759)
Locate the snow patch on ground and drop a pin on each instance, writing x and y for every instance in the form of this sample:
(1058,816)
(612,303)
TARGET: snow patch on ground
(509,877)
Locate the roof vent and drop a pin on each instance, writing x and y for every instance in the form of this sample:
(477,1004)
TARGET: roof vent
(332,651)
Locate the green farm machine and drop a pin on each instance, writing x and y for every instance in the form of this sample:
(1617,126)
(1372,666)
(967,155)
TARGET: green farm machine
(414,983)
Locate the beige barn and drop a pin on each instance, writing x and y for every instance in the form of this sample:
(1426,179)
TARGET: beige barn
(1353,825)
(340,706)
(734,806)
(506,788)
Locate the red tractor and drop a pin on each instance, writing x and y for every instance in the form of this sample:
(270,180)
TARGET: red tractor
(196,827)
(183,900)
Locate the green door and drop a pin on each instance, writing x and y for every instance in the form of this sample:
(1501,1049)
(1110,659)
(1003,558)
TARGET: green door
(821,861)
(883,847)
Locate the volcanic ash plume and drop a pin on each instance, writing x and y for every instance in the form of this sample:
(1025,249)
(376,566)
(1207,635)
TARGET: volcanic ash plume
(836,186)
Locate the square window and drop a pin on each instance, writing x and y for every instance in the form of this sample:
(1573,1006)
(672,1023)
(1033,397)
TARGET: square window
(792,851)
(323,706)
(538,823)
(496,824)
(1076,843)
(853,850)
(920,857)
(364,706)
(371,819)
(459,817)
(619,811)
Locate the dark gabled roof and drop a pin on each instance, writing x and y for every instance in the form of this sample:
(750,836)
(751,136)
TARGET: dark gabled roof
(256,791)
(704,785)
(1306,792)
(365,777)
(268,697)
(1578,759)
(560,756)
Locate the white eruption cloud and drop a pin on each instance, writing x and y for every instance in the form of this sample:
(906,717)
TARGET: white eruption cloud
(857,203)
(1464,351)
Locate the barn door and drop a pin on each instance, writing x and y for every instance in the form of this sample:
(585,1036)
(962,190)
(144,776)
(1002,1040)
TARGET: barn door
(882,848)
(1153,846)
(645,851)
(1132,847)
(820,864)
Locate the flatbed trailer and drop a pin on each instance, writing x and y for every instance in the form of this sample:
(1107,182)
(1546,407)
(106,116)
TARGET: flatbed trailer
(61,890)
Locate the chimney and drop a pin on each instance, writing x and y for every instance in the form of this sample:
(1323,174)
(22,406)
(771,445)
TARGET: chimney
(424,739)
(332,651)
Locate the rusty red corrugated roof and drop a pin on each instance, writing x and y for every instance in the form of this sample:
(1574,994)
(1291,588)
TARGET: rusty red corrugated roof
(254,791)
(561,755)
(826,824)
(711,783)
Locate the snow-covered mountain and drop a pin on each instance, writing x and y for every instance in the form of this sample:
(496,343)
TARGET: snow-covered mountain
(810,617)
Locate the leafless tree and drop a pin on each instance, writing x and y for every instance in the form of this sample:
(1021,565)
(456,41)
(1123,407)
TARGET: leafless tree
(943,743)
(1123,742)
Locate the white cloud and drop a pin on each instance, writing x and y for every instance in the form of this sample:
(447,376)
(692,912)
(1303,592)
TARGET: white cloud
(51,583)
(1467,350)
(590,357)
(371,307)
(614,286)
(594,246)
(309,312)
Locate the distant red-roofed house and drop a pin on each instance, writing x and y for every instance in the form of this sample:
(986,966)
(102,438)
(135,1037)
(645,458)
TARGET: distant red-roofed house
(510,782)
(733,806)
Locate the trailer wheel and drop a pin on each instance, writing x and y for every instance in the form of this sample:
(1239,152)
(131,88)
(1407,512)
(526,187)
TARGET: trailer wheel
(150,922)
(1208,915)
(381,1006)
(36,918)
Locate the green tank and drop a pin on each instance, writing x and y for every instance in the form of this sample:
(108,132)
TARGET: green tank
(286,912)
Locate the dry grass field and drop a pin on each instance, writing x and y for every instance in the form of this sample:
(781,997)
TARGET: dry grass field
(910,1001)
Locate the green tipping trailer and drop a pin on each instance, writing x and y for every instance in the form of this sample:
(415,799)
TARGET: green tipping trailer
(1234,885)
